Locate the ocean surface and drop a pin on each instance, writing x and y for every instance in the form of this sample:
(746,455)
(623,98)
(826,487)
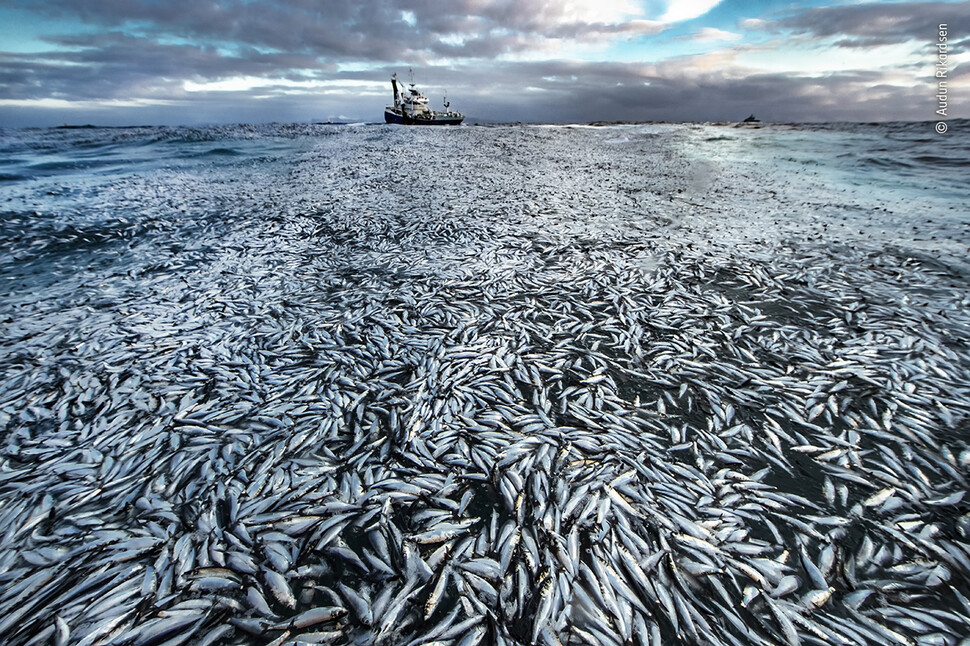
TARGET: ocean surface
(354,384)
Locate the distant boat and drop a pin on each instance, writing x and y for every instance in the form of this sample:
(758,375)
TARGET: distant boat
(750,122)
(411,109)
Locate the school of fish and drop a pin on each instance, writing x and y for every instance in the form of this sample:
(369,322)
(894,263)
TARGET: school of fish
(498,394)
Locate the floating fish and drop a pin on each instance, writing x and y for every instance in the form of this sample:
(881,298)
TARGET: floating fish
(318,396)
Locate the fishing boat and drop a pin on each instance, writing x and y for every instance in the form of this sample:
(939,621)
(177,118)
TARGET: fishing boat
(750,122)
(411,108)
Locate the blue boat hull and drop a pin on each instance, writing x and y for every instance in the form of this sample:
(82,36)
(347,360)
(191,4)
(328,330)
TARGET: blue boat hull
(390,116)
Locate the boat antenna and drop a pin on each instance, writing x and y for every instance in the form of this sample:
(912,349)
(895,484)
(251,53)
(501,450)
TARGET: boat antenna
(411,75)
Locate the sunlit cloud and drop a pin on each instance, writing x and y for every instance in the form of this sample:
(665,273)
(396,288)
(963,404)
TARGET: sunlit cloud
(598,11)
(52,103)
(680,10)
(801,58)
(246,83)
(752,23)
(710,34)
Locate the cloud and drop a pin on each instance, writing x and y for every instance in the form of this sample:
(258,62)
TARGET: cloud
(710,34)
(876,23)
(184,61)
(752,23)
(115,66)
(366,30)
(708,87)
(146,48)
(680,10)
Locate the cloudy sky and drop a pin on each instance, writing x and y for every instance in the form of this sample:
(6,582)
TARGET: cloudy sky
(122,62)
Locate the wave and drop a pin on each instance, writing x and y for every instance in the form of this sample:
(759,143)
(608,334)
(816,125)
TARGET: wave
(884,162)
(219,152)
(40,141)
(51,167)
(937,160)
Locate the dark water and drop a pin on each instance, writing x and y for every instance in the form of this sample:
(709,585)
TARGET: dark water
(236,355)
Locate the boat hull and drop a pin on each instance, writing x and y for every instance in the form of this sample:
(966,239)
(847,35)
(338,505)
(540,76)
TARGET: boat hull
(394,116)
